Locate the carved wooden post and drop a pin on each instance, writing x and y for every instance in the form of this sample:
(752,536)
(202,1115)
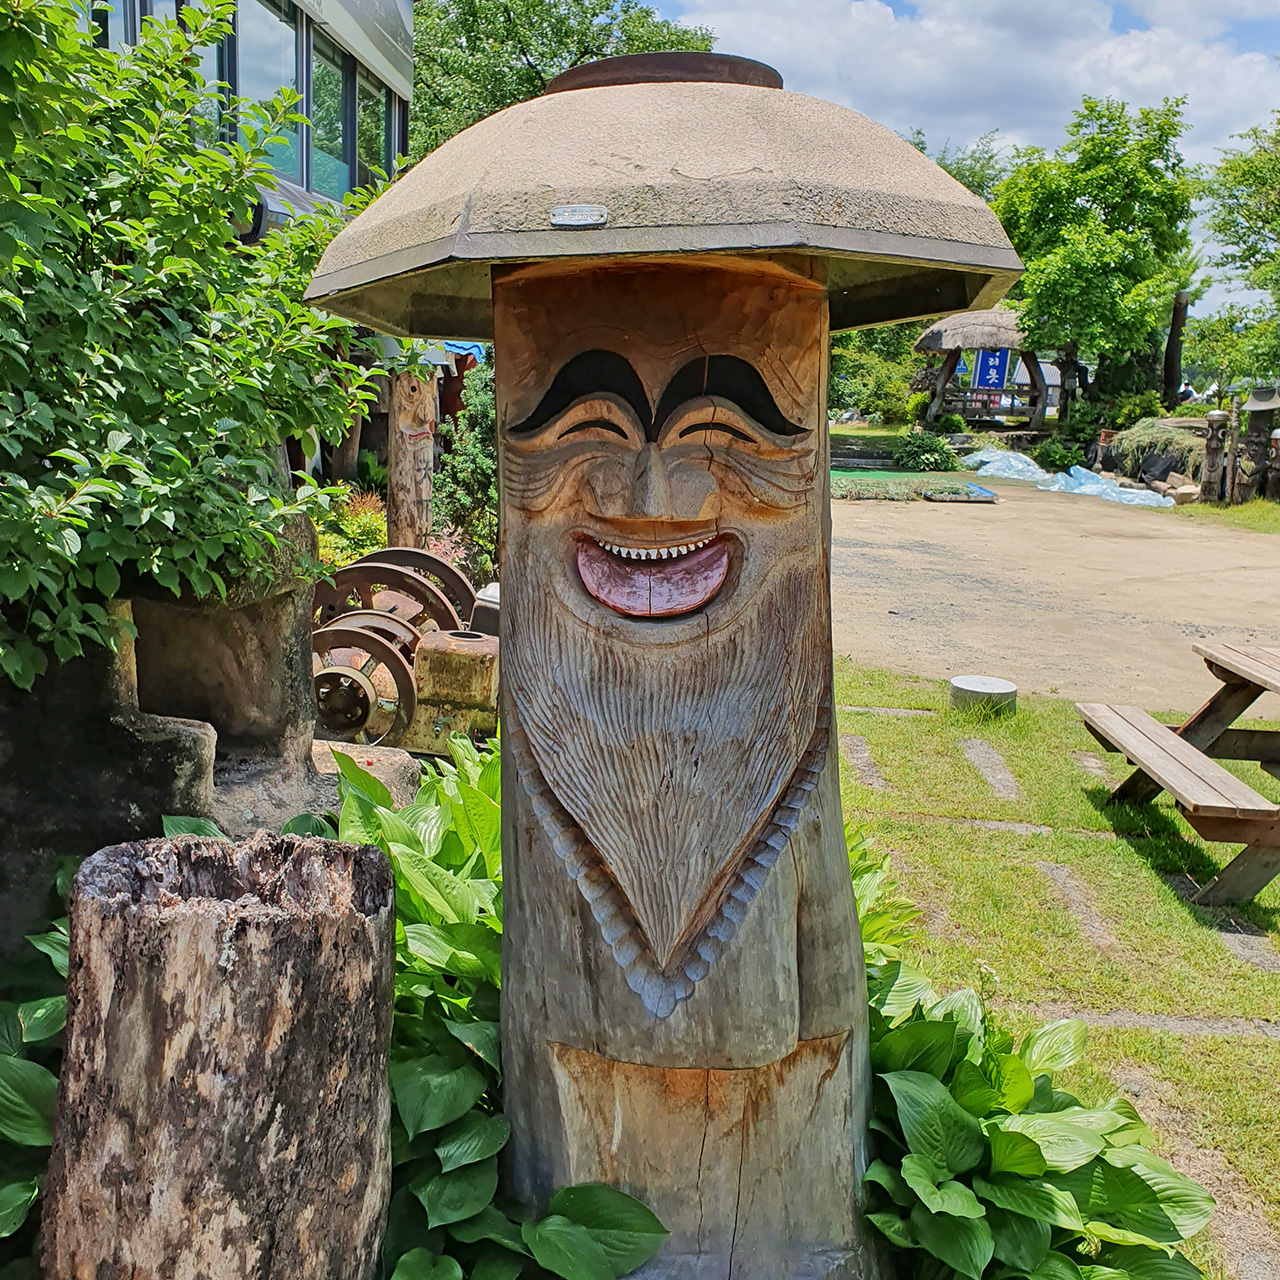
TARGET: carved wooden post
(669,775)
(1212,472)
(411,431)
(1233,452)
(1273,467)
(224,1105)
(683,995)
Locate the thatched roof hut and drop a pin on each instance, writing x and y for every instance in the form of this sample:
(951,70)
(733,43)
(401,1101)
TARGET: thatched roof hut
(992,330)
(974,331)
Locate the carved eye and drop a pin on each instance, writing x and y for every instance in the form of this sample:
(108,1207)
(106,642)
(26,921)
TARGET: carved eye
(594,424)
(713,427)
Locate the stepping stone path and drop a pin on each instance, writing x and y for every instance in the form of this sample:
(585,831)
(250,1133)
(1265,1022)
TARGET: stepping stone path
(990,763)
(1244,940)
(1018,828)
(1091,763)
(1079,900)
(857,752)
(890,711)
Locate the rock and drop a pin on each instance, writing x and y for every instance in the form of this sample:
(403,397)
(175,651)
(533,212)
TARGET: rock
(1125,483)
(1185,493)
(1177,480)
(1158,486)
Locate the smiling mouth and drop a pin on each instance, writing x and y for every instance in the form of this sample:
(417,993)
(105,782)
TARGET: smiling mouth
(654,581)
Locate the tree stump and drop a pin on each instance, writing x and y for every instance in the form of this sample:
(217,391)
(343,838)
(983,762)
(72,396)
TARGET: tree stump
(224,1104)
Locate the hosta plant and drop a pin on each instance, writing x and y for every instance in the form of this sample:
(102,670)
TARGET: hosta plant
(988,1171)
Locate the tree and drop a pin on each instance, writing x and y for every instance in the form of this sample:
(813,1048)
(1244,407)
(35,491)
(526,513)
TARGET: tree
(474,57)
(150,362)
(980,167)
(1233,343)
(871,369)
(1102,225)
(1245,212)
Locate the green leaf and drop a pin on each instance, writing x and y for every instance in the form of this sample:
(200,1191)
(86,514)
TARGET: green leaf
(56,946)
(452,897)
(407,1229)
(891,1180)
(965,1244)
(916,1046)
(486,824)
(482,1038)
(418,1264)
(496,1264)
(490,779)
(1055,1046)
(358,820)
(490,1224)
(1015,1153)
(934,1124)
(1065,1146)
(11,1036)
(475,1137)
(567,1249)
(1033,1198)
(432,1092)
(187,826)
(42,1019)
(627,1231)
(16,1198)
(106,577)
(972,1090)
(1150,1264)
(309,824)
(364,782)
(459,1194)
(28,1094)
(1145,1194)
(1056,1266)
(898,1231)
(898,989)
(938,1194)
(1019,1241)
(1011,1080)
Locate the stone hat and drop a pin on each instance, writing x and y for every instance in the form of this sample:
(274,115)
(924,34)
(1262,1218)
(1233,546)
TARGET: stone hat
(1261,399)
(668,153)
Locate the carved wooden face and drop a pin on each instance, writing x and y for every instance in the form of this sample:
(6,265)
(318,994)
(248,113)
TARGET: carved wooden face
(666,635)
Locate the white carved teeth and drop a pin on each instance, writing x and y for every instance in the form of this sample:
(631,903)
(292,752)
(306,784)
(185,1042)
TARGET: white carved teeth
(653,553)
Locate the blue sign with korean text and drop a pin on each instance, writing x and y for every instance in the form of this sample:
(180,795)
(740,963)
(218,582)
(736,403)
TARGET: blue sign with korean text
(991,369)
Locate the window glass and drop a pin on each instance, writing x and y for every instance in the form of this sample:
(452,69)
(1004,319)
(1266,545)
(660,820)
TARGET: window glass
(371,128)
(112,25)
(266,45)
(163,10)
(330,171)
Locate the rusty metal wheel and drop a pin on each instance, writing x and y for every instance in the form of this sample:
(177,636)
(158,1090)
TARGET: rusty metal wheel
(453,582)
(390,626)
(365,690)
(383,588)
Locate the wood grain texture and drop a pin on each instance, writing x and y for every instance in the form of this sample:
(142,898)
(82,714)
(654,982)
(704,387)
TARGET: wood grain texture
(411,427)
(684,1003)
(224,1104)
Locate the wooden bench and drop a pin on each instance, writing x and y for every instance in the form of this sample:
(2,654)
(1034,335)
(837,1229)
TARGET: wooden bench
(1215,802)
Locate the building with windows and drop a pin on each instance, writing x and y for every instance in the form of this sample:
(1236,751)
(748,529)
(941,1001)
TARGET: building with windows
(351,61)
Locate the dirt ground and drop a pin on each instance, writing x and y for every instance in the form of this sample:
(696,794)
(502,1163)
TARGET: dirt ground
(1057,592)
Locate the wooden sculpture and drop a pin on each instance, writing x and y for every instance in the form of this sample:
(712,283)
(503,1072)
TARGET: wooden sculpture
(1215,447)
(693,1029)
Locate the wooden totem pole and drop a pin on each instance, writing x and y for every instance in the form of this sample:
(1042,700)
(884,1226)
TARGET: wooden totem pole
(684,1005)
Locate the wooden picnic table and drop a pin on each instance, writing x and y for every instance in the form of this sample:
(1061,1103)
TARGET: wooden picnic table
(1181,759)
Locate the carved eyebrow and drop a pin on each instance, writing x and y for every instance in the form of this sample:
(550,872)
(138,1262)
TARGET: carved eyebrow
(731,379)
(589,374)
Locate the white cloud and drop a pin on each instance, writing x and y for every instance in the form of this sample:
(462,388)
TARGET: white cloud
(958,68)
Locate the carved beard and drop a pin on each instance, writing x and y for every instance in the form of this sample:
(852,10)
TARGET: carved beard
(670,758)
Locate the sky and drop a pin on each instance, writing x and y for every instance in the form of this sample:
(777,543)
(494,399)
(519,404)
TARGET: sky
(958,68)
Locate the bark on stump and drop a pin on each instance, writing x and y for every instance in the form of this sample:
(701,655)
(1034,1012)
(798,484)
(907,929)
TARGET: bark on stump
(224,1104)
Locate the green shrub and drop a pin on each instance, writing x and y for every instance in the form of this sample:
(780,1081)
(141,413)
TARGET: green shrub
(1190,410)
(989,1170)
(465,487)
(1053,455)
(918,405)
(989,440)
(922,451)
(1085,419)
(150,362)
(354,525)
(1130,409)
(1153,435)
(888,921)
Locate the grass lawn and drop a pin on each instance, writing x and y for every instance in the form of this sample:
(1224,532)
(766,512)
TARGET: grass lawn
(860,435)
(1126,945)
(1260,515)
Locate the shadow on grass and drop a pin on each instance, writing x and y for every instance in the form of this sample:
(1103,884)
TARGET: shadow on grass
(1151,831)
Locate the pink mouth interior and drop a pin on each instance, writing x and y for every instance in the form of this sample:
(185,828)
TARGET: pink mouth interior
(654,588)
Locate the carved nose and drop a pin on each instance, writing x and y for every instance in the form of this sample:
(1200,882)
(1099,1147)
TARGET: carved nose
(650,488)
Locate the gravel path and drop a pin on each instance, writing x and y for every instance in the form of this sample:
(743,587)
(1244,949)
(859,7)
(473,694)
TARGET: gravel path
(1056,592)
